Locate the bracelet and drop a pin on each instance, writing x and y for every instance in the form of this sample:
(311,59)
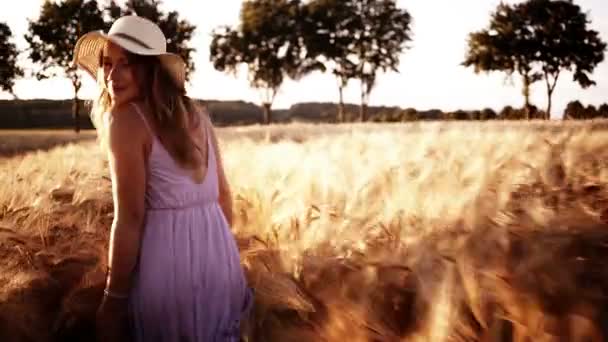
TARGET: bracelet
(111,294)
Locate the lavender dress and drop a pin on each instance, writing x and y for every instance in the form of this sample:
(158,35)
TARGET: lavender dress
(189,284)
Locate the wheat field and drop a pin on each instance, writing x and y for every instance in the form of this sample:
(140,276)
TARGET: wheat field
(363,232)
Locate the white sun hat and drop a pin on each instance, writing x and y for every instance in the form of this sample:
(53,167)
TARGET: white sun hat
(134,34)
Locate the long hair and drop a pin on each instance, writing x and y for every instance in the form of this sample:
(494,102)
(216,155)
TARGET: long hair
(173,112)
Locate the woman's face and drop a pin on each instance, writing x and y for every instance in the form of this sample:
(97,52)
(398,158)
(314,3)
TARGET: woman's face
(118,75)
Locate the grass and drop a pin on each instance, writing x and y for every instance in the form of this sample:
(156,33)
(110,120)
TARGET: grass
(426,232)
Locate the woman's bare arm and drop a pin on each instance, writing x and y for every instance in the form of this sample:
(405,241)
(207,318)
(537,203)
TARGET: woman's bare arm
(128,174)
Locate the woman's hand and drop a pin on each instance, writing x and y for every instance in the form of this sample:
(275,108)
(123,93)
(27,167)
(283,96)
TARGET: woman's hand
(112,320)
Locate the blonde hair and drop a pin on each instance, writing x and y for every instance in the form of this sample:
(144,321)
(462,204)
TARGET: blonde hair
(173,112)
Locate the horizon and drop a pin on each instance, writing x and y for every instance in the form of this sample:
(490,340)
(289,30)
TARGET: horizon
(430,76)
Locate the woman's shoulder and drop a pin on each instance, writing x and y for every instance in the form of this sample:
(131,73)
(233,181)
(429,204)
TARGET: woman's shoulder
(125,123)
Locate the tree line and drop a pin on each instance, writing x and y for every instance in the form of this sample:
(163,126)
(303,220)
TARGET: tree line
(55,114)
(354,40)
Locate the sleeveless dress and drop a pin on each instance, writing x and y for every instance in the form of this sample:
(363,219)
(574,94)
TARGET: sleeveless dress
(189,284)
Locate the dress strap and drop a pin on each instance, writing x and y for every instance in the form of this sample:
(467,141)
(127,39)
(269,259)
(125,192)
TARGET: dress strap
(143,117)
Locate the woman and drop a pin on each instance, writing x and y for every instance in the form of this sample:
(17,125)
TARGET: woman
(174,267)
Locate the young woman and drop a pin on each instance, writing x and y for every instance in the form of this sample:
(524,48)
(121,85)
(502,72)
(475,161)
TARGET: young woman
(173,266)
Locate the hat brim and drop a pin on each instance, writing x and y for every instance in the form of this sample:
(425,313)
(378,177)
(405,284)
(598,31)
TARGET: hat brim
(89,47)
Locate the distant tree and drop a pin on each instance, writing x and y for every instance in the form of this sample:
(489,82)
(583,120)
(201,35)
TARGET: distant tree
(574,110)
(266,41)
(475,114)
(603,110)
(178,31)
(459,115)
(538,39)
(53,35)
(510,113)
(536,113)
(488,114)
(591,112)
(9,70)
(410,114)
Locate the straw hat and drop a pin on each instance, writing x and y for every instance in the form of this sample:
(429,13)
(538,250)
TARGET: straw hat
(135,34)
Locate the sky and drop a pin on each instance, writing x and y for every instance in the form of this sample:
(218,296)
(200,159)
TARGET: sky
(430,75)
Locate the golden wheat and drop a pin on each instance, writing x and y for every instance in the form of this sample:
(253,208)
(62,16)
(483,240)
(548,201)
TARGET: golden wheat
(424,232)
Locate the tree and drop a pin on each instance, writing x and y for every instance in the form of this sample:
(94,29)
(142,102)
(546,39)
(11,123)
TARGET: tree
(9,70)
(591,112)
(565,42)
(53,35)
(574,110)
(510,113)
(459,115)
(410,114)
(356,39)
(267,42)
(327,32)
(380,37)
(488,114)
(178,31)
(538,39)
(505,46)
(603,110)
